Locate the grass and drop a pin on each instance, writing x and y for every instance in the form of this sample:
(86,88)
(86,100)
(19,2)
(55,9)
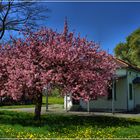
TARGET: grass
(54,100)
(21,125)
(51,100)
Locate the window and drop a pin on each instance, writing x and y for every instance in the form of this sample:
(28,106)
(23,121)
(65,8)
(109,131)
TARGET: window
(75,102)
(110,92)
(130,91)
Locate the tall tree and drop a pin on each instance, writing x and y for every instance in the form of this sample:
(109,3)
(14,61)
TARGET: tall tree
(16,14)
(45,57)
(130,50)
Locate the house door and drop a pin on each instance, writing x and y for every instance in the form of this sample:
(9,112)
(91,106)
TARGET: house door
(130,97)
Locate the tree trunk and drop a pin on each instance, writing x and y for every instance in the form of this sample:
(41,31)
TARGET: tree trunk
(38,104)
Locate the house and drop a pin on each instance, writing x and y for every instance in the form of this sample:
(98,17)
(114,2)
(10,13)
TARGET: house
(124,95)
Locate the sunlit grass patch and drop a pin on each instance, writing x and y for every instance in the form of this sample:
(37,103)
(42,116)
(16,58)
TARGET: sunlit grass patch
(22,125)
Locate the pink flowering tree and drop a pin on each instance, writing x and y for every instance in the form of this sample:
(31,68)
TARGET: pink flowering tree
(45,57)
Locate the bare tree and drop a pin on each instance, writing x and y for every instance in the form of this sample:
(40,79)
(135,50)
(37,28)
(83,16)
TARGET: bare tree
(15,14)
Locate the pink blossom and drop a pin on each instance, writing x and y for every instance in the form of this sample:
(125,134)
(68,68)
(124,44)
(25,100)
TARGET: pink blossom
(61,60)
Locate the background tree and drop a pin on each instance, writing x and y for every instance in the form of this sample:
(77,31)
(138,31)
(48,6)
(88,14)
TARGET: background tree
(16,14)
(129,51)
(73,64)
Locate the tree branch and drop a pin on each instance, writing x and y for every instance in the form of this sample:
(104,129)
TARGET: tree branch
(14,15)
(4,20)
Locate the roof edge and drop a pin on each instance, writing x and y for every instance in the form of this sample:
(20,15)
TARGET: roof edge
(127,65)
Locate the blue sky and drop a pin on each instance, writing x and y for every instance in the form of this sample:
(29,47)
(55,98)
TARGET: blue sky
(107,23)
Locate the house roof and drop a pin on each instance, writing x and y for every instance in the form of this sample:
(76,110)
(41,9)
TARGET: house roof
(123,64)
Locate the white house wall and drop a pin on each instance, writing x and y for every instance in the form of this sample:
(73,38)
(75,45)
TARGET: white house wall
(104,104)
(121,72)
(136,88)
(132,74)
(122,101)
(121,96)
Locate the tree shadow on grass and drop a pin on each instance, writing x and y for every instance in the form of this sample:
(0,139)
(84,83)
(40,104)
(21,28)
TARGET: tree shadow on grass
(54,120)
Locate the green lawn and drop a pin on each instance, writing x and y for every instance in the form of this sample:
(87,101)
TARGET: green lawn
(21,125)
(51,100)
(54,100)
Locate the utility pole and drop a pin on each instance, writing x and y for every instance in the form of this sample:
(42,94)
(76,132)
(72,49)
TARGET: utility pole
(46,99)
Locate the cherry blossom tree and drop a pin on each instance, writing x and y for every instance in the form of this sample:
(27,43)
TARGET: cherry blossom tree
(61,60)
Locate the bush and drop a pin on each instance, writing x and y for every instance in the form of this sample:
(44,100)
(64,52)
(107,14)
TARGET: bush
(9,101)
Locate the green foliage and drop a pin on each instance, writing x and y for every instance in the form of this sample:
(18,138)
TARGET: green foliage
(55,92)
(129,51)
(21,125)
